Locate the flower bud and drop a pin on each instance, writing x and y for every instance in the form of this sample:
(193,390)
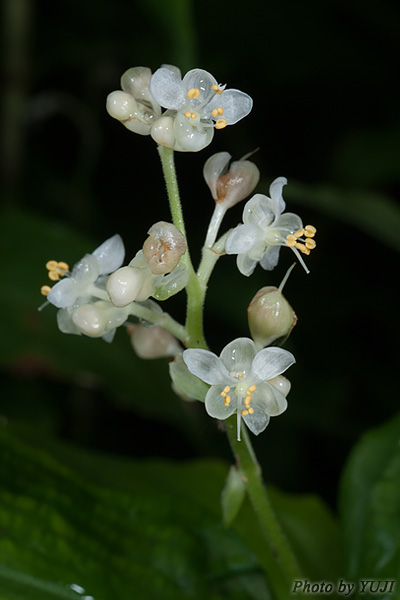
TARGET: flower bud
(281,383)
(230,187)
(153,342)
(164,247)
(124,285)
(270,316)
(162,131)
(90,319)
(121,105)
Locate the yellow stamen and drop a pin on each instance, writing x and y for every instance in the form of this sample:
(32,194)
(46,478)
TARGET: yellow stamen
(187,114)
(310,243)
(251,389)
(226,388)
(309,231)
(54,275)
(302,248)
(215,88)
(244,413)
(298,233)
(45,289)
(217,111)
(227,401)
(221,123)
(193,93)
(63,266)
(51,265)
(193,115)
(251,411)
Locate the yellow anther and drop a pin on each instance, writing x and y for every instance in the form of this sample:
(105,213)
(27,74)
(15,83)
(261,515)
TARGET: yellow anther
(244,413)
(299,233)
(193,115)
(302,248)
(54,275)
(193,93)
(309,231)
(217,112)
(251,411)
(290,240)
(45,289)
(51,265)
(187,114)
(310,243)
(221,123)
(226,388)
(227,401)
(63,266)
(251,389)
(215,88)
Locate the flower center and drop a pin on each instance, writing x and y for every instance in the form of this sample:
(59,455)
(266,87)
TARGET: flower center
(302,239)
(56,270)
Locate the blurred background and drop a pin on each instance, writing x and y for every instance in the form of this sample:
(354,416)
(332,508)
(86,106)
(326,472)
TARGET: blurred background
(323,77)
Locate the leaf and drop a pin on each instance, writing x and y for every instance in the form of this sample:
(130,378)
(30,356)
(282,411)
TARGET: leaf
(376,214)
(370,505)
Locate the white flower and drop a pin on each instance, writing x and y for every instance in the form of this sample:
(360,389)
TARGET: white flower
(265,229)
(78,287)
(240,381)
(134,105)
(230,184)
(195,106)
(97,319)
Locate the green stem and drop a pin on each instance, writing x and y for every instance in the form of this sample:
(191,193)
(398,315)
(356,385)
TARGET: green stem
(277,541)
(195,290)
(163,320)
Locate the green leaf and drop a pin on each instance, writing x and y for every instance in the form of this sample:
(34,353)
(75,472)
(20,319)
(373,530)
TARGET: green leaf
(376,214)
(159,538)
(370,505)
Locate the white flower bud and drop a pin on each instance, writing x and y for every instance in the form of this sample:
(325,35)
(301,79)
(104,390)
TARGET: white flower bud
(233,186)
(281,383)
(90,319)
(164,247)
(121,105)
(270,316)
(162,132)
(124,285)
(153,342)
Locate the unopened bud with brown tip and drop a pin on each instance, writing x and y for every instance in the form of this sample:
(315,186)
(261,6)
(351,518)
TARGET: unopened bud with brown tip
(230,185)
(270,316)
(164,247)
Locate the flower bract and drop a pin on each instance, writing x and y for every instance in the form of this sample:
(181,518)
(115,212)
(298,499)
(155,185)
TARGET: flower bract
(240,380)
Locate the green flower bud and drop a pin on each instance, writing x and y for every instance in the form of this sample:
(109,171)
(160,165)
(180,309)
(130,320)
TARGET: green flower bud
(270,316)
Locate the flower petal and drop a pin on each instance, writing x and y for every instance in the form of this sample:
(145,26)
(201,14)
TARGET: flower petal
(270,258)
(236,105)
(64,293)
(190,138)
(256,422)
(167,89)
(259,210)
(110,254)
(205,365)
(242,239)
(214,167)
(267,398)
(238,355)
(275,191)
(245,264)
(85,271)
(271,362)
(288,223)
(215,403)
(200,80)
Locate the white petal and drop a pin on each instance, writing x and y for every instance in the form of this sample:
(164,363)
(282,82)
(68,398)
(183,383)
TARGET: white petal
(65,323)
(270,258)
(236,105)
(214,167)
(167,89)
(281,383)
(269,399)
(190,138)
(275,191)
(215,403)
(242,239)
(238,355)
(271,362)
(162,131)
(136,82)
(205,365)
(259,211)
(256,422)
(245,264)
(202,81)
(110,255)
(63,293)
(85,271)
(288,223)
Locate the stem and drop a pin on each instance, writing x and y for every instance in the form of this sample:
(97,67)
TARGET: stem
(271,529)
(215,222)
(195,290)
(163,320)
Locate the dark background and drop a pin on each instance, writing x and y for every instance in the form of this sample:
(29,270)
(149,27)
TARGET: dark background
(326,116)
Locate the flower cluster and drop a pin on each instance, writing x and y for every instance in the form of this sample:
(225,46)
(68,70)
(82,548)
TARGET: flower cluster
(195,106)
